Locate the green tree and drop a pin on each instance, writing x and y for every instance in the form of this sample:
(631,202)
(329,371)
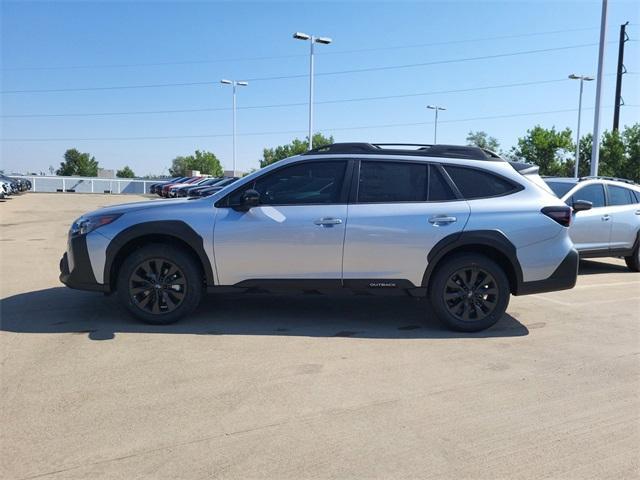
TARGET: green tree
(551,150)
(631,139)
(296,147)
(76,163)
(483,140)
(613,161)
(126,172)
(205,162)
(584,168)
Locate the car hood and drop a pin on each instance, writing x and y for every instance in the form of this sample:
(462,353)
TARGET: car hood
(135,206)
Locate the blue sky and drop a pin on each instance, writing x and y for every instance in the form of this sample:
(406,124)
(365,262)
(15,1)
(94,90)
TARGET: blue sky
(75,45)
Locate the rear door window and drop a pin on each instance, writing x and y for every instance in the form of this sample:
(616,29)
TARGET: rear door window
(394,182)
(620,196)
(390,182)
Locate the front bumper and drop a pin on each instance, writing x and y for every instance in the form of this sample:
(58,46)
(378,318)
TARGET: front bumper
(563,278)
(75,267)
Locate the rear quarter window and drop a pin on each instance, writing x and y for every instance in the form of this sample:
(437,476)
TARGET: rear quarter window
(474,183)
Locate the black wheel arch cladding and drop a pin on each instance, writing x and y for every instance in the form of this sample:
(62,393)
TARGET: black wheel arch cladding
(177,229)
(491,239)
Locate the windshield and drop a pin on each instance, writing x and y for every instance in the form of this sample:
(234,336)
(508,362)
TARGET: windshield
(560,188)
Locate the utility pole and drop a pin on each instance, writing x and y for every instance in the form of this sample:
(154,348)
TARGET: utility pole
(595,149)
(621,71)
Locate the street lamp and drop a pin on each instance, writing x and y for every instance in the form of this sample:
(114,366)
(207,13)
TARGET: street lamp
(435,127)
(234,84)
(312,40)
(582,78)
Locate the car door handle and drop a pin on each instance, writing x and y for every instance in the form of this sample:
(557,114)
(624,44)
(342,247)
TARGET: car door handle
(606,218)
(441,220)
(637,212)
(327,221)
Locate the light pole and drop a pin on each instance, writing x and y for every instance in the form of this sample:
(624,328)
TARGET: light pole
(595,147)
(312,41)
(435,126)
(582,78)
(234,84)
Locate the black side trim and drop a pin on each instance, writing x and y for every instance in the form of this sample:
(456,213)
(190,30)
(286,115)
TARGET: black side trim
(286,283)
(391,287)
(172,228)
(614,252)
(488,238)
(377,283)
(563,278)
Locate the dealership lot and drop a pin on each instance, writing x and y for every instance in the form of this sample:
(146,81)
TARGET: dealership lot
(307,386)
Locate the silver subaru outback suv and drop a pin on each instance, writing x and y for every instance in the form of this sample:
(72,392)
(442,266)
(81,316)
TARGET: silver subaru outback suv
(458,225)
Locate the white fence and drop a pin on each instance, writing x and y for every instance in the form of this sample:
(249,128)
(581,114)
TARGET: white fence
(88,184)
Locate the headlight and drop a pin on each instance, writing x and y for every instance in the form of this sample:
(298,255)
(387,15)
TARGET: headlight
(85,225)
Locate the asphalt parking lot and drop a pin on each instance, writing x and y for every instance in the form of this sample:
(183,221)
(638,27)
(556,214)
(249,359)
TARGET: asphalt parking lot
(307,386)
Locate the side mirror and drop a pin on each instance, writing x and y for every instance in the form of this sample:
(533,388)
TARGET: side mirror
(581,205)
(249,199)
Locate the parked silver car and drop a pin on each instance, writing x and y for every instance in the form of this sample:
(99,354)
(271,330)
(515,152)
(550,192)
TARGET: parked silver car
(611,228)
(457,224)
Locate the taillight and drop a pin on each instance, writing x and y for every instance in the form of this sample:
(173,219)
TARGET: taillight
(562,215)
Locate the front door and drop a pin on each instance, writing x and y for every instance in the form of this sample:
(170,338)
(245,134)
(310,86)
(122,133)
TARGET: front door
(296,232)
(591,229)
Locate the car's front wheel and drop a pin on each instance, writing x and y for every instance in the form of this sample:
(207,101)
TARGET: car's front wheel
(469,292)
(159,284)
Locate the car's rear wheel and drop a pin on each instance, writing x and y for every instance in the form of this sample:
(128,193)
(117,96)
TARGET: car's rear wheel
(469,292)
(159,284)
(633,262)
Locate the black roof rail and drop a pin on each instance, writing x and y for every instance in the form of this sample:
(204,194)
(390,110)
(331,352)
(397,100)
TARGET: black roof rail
(417,149)
(615,179)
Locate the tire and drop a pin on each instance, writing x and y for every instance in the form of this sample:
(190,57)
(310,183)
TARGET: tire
(160,284)
(453,300)
(633,262)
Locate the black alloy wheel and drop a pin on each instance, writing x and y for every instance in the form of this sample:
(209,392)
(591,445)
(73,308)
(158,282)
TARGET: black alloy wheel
(160,283)
(469,291)
(471,294)
(157,286)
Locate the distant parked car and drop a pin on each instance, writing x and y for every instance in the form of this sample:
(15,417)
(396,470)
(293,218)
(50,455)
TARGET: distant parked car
(611,228)
(211,189)
(173,190)
(154,186)
(164,190)
(183,191)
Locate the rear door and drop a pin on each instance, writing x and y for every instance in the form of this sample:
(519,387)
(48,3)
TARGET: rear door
(625,216)
(399,211)
(591,229)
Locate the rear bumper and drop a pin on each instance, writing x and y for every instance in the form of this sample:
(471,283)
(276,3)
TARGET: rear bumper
(563,278)
(81,276)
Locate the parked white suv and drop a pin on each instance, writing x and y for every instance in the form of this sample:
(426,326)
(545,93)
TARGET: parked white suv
(611,228)
(457,224)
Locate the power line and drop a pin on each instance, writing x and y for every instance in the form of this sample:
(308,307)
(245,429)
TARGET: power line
(281,105)
(361,127)
(285,105)
(277,57)
(281,77)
